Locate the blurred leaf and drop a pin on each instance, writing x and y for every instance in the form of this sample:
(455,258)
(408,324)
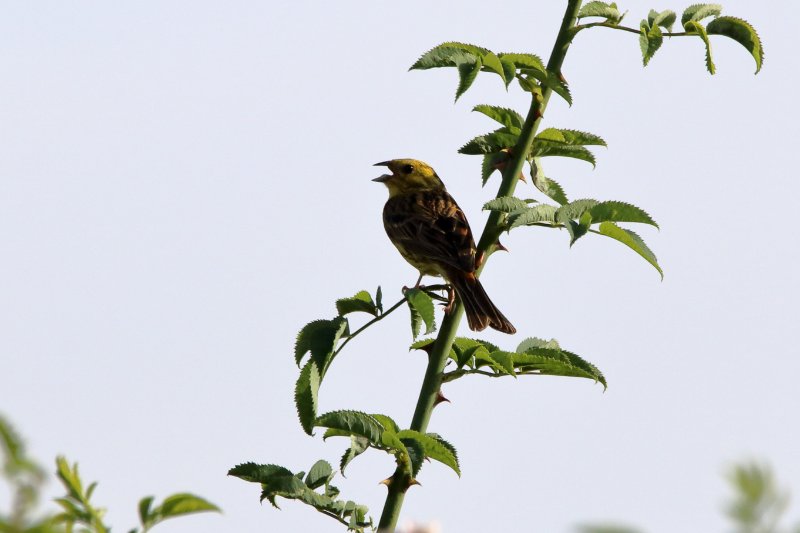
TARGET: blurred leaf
(758,502)
(354,422)
(742,32)
(180,504)
(534,342)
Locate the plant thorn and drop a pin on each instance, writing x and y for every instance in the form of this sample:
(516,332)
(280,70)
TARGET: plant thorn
(440,398)
(499,246)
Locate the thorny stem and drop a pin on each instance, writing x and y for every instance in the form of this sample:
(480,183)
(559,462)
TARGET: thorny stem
(487,244)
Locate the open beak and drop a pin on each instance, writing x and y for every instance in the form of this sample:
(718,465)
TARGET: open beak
(385,177)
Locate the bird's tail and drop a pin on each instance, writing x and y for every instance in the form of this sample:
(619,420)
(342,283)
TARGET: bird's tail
(481,312)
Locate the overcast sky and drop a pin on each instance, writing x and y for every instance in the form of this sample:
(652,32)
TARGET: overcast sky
(184,184)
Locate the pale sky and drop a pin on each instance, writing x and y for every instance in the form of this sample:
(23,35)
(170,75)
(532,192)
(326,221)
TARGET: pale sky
(186,184)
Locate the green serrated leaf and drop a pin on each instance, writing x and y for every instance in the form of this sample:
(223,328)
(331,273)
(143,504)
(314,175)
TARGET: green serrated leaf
(505,204)
(443,55)
(666,19)
(742,32)
(490,163)
(492,63)
(527,61)
(546,185)
(552,80)
(580,228)
(509,70)
(613,211)
(256,473)
(570,137)
(465,349)
(542,213)
(420,344)
(416,454)
(631,240)
(698,29)
(320,338)
(306,391)
(505,360)
(489,143)
(355,422)
(433,448)
(421,304)
(543,148)
(574,210)
(319,474)
(467,72)
(387,422)
(507,117)
(466,47)
(650,40)
(609,12)
(361,302)
(698,12)
(358,445)
(556,362)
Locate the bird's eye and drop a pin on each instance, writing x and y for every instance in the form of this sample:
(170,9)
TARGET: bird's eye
(408,169)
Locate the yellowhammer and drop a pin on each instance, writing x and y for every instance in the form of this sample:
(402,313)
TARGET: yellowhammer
(431,232)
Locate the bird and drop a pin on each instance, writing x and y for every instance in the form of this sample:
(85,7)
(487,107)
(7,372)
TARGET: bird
(431,232)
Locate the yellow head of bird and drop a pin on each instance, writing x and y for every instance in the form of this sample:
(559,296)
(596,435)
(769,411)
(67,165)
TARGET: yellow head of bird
(409,175)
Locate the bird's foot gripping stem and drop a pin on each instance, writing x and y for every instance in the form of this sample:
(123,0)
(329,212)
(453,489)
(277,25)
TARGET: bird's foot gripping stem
(451,300)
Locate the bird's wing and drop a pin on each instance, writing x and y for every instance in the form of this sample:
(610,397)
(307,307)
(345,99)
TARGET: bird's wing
(431,226)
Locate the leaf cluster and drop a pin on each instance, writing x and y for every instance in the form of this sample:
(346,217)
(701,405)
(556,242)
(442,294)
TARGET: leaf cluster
(78,510)
(469,60)
(278,481)
(532,357)
(659,24)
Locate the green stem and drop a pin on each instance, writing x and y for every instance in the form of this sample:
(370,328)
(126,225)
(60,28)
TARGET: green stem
(494,226)
(580,27)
